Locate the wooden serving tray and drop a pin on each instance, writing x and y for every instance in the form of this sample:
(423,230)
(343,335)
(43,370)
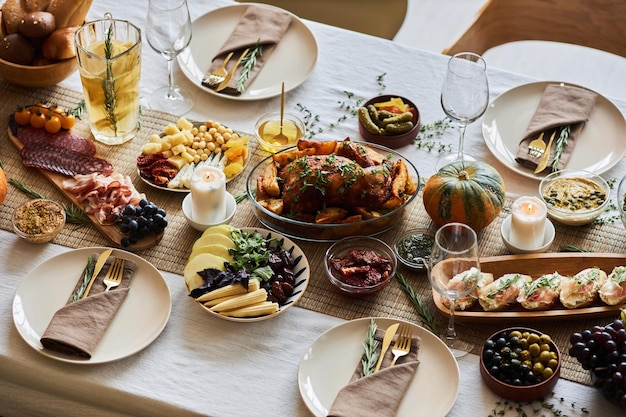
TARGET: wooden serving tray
(536,265)
(112,232)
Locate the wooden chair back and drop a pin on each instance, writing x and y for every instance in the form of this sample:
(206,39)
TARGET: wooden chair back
(597,24)
(382,18)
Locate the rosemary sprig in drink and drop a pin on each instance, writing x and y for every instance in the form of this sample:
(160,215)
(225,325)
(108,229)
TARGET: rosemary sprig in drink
(108,83)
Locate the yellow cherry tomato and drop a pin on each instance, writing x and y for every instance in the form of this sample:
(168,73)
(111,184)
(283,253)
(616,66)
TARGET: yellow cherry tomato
(37,120)
(53,124)
(68,121)
(22,117)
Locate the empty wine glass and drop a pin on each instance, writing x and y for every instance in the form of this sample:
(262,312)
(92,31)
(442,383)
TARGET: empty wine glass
(464,97)
(453,271)
(169,32)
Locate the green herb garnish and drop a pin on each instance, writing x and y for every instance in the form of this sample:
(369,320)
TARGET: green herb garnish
(570,247)
(503,284)
(561,143)
(251,250)
(91,264)
(426,315)
(73,213)
(108,83)
(370,350)
(248,62)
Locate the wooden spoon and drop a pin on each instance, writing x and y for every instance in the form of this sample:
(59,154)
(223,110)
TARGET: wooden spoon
(281,138)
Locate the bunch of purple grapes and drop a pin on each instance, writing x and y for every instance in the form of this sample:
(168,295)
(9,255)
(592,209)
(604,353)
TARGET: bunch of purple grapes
(602,350)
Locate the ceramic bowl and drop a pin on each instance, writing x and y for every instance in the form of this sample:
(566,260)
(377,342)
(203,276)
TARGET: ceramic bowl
(507,382)
(548,238)
(268,126)
(413,247)
(575,214)
(318,232)
(38,75)
(231,208)
(39,220)
(391,140)
(621,199)
(341,250)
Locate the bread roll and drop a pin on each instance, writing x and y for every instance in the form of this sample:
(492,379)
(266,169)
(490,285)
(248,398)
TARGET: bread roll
(17,49)
(69,12)
(12,13)
(37,24)
(60,44)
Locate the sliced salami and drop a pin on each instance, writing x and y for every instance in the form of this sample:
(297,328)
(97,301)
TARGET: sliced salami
(65,162)
(66,140)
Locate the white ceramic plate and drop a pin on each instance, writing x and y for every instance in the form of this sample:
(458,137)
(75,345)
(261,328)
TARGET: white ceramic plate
(601,144)
(301,270)
(330,361)
(292,61)
(139,321)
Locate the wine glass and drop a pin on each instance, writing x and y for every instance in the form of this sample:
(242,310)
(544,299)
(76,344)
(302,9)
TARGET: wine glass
(169,32)
(453,271)
(464,97)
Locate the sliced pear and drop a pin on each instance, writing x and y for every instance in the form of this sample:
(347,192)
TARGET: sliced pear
(200,263)
(213,239)
(215,249)
(222,229)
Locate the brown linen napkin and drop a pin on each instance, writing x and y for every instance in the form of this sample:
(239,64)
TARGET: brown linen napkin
(560,105)
(77,328)
(379,394)
(258,24)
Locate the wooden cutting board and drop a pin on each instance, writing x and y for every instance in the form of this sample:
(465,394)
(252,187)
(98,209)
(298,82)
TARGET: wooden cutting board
(112,232)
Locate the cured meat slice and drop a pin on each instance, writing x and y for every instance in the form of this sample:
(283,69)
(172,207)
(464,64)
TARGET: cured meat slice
(65,140)
(65,162)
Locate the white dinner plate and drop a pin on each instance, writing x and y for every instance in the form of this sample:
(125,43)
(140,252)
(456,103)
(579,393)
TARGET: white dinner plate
(330,361)
(292,61)
(138,322)
(301,270)
(601,144)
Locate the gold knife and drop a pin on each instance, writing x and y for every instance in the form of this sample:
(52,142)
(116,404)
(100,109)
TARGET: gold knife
(389,333)
(99,264)
(231,74)
(545,158)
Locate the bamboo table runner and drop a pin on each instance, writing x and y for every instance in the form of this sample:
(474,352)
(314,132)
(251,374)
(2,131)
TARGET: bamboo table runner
(172,252)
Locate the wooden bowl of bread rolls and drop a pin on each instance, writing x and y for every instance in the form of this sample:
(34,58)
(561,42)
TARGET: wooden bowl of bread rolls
(37,42)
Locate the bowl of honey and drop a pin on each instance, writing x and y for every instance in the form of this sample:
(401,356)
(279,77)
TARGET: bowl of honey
(274,136)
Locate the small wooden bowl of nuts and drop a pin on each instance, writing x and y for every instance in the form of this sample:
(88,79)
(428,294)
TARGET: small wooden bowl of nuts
(389,120)
(520,364)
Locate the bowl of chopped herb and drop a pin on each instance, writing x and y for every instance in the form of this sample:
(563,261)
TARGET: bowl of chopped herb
(413,247)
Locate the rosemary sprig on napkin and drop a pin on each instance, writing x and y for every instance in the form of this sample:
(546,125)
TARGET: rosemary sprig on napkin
(248,62)
(108,84)
(426,315)
(73,213)
(561,143)
(370,352)
(78,294)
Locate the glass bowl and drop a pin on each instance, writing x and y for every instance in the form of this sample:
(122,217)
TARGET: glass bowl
(513,389)
(38,220)
(413,247)
(358,286)
(268,127)
(621,199)
(317,232)
(574,197)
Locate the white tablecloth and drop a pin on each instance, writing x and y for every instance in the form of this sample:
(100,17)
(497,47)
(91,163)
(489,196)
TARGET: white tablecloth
(201,365)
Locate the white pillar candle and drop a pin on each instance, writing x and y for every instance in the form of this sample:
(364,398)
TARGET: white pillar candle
(208,187)
(528,220)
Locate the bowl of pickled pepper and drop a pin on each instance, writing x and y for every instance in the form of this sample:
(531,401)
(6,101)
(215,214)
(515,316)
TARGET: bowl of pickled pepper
(389,120)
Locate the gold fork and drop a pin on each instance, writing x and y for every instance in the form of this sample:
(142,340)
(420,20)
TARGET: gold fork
(113,278)
(218,75)
(537,147)
(402,347)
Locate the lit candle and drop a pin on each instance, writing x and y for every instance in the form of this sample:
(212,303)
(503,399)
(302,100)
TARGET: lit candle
(208,186)
(528,219)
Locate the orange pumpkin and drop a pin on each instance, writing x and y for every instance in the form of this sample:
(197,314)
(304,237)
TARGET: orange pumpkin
(467,192)
(3,186)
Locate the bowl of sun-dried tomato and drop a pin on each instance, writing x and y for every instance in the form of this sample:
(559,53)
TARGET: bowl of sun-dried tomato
(360,265)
